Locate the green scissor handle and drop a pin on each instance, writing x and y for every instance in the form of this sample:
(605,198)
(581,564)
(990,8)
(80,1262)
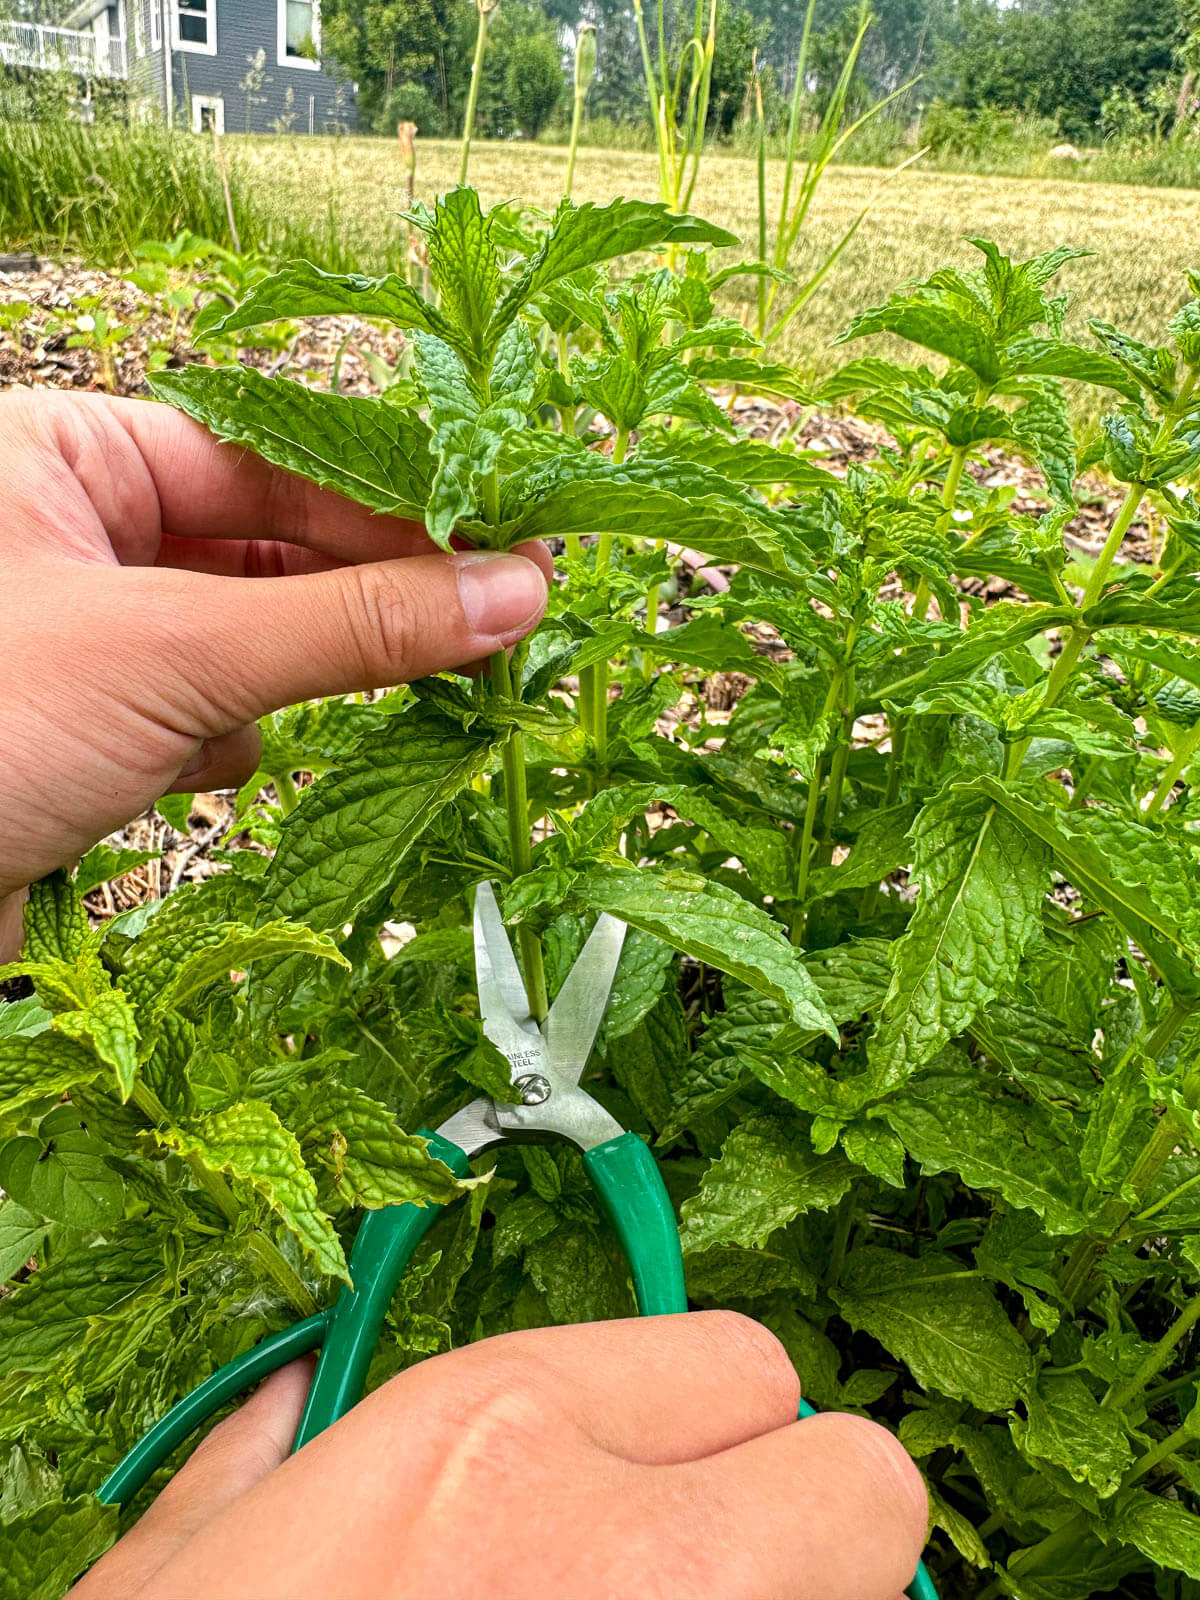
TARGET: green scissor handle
(169,1432)
(628,1182)
(626,1177)
(384,1246)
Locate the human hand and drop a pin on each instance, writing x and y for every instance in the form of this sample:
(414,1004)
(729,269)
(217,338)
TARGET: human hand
(658,1457)
(136,654)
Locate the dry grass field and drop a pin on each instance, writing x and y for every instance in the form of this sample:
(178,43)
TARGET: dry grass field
(1143,238)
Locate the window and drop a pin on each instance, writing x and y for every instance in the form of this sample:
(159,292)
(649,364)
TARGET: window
(194,26)
(299,34)
(155,24)
(208,113)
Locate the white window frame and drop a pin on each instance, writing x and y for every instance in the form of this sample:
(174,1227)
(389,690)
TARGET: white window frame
(208,49)
(155,25)
(282,59)
(207,102)
(139,27)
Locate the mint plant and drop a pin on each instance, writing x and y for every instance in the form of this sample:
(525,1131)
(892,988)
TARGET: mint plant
(910,1004)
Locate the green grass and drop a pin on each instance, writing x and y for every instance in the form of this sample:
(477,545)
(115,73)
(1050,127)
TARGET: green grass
(1142,238)
(337,202)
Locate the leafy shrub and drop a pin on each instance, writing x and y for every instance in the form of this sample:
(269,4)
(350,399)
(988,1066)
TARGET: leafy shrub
(411,102)
(911,1002)
(533,81)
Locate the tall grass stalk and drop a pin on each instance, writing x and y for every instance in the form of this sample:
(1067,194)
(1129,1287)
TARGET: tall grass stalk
(484,9)
(679,104)
(585,71)
(800,187)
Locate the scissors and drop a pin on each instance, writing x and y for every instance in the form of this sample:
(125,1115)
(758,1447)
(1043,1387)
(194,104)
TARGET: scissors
(547,1061)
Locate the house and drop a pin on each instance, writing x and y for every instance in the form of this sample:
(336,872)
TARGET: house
(239,66)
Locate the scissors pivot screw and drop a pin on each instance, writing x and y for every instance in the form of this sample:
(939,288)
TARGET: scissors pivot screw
(533,1089)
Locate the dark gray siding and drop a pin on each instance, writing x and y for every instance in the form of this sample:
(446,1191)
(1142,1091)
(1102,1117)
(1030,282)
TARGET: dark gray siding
(320,99)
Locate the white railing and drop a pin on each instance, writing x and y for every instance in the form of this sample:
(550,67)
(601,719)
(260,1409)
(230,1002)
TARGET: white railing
(29,44)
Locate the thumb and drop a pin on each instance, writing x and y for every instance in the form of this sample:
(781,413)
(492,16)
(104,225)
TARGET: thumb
(253,645)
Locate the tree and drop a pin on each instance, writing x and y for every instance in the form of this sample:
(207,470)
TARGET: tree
(385,43)
(739,38)
(1055,58)
(533,81)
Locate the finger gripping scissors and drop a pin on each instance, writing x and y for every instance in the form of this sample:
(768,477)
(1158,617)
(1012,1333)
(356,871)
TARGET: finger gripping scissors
(546,1061)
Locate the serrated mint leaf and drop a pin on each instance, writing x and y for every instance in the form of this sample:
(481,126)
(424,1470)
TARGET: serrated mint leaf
(351,831)
(1068,1426)
(463,265)
(249,1142)
(705,920)
(948,1327)
(469,433)
(766,1175)
(935,327)
(55,923)
(727,1274)
(44,1551)
(21,1236)
(982,883)
(229,945)
(965,1122)
(373,453)
(998,629)
(87,1007)
(879,847)
(1051,358)
(752,462)
(588,494)
(373,1162)
(1105,861)
(45,1066)
(102,863)
(42,1318)
(302,290)
(1043,430)
(1163,1530)
(582,235)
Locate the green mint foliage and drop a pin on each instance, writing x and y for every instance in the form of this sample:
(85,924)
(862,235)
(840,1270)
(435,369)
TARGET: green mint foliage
(910,1002)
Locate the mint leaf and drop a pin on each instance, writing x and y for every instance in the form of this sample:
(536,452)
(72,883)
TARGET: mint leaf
(468,434)
(62,1174)
(21,1237)
(229,945)
(372,1161)
(302,290)
(249,1142)
(766,1176)
(355,825)
(463,265)
(982,882)
(1163,1530)
(582,235)
(1089,864)
(43,1318)
(45,1066)
(713,924)
(1069,1427)
(373,453)
(965,1122)
(946,1326)
(44,1551)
